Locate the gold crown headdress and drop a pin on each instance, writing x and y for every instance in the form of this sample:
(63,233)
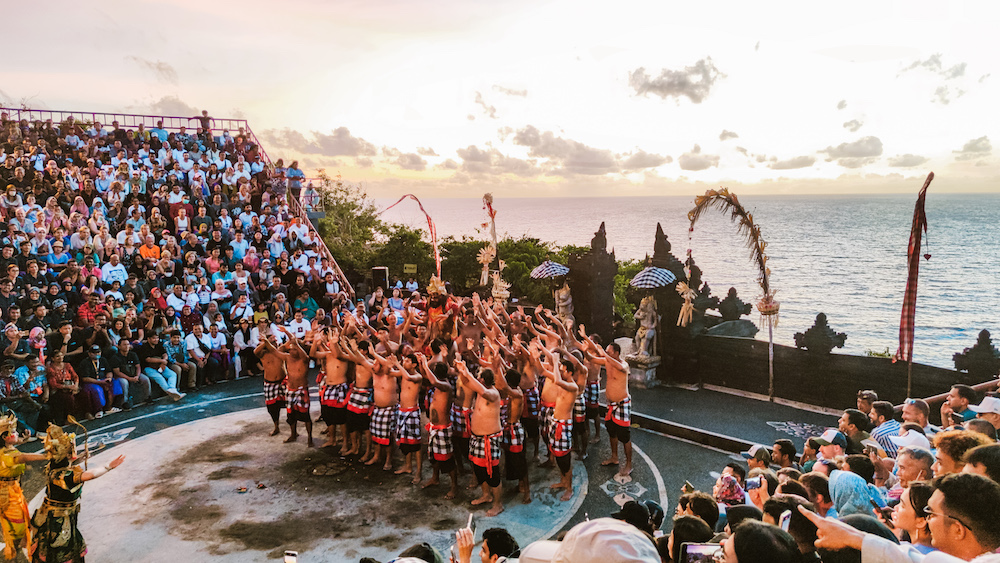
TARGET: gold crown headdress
(436,286)
(8,423)
(58,444)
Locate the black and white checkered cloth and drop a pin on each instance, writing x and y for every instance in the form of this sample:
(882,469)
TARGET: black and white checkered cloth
(579,408)
(382,425)
(560,436)
(531,401)
(592,393)
(460,420)
(298,399)
(484,451)
(513,437)
(408,426)
(620,412)
(274,392)
(360,400)
(335,395)
(439,442)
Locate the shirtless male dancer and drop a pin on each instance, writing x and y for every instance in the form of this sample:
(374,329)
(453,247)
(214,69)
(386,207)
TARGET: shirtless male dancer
(273,362)
(408,416)
(560,423)
(439,447)
(515,458)
(384,415)
(359,404)
(484,446)
(297,367)
(334,389)
(618,421)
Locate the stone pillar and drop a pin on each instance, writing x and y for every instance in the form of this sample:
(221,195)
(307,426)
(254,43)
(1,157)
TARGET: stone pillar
(592,280)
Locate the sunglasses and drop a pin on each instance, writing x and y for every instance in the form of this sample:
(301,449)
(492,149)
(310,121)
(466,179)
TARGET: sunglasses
(931,514)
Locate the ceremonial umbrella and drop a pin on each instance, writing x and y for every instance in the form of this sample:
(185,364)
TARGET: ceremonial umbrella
(549,269)
(652,277)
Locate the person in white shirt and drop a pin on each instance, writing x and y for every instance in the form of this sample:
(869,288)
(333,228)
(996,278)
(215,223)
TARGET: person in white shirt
(300,326)
(186,162)
(176,298)
(113,271)
(220,349)
(269,328)
(199,346)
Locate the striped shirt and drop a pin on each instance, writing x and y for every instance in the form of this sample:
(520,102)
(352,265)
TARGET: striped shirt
(881,434)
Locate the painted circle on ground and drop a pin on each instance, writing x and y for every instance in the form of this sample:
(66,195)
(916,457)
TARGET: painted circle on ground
(179,496)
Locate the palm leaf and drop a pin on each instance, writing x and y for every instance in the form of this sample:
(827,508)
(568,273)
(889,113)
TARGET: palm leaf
(727,202)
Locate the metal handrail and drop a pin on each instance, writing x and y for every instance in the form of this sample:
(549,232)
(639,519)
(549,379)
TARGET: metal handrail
(127,120)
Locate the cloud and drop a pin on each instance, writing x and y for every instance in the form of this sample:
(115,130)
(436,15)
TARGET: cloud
(470,117)
(793,163)
(743,151)
(944,94)
(487,109)
(695,160)
(567,155)
(426,151)
(726,134)
(853,125)
(364,162)
(693,82)
(478,162)
(448,165)
(983,78)
(757,46)
(339,142)
(411,161)
(172,105)
(509,91)
(907,160)
(391,151)
(857,154)
(842,104)
(642,159)
(163,72)
(975,148)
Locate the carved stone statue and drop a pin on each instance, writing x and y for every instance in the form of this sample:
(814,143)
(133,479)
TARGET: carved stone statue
(732,307)
(647,321)
(982,360)
(564,305)
(820,338)
(600,241)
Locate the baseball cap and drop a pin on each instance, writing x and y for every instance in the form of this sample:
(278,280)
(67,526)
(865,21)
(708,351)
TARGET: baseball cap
(911,438)
(989,404)
(758,452)
(95,348)
(832,437)
(633,513)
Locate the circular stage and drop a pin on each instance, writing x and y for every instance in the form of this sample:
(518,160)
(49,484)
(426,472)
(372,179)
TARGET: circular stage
(178,497)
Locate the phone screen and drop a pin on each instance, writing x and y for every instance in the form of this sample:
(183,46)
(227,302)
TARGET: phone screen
(785,519)
(291,556)
(699,552)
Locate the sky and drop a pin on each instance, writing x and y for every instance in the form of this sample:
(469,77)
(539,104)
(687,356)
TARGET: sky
(454,98)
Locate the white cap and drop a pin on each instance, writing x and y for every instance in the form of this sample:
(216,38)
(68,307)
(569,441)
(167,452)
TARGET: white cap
(989,404)
(911,438)
(606,540)
(539,552)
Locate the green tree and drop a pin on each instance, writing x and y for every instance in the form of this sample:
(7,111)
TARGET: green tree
(351,224)
(627,269)
(405,245)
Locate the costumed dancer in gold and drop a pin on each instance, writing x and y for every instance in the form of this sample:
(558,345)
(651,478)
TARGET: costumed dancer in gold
(13,506)
(56,536)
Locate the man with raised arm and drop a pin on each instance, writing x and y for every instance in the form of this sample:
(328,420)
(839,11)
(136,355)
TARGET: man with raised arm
(273,362)
(297,393)
(484,445)
(360,404)
(408,417)
(384,414)
(529,387)
(439,447)
(560,423)
(618,421)
(333,386)
(515,458)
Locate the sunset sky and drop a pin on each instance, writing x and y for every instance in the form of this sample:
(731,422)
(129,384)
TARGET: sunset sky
(549,98)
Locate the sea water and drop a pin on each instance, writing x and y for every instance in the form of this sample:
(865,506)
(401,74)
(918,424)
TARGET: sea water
(840,255)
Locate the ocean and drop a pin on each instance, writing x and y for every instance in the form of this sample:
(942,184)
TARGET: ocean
(840,255)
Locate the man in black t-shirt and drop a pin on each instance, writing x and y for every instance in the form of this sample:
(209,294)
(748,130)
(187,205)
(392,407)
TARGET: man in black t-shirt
(153,360)
(124,362)
(68,341)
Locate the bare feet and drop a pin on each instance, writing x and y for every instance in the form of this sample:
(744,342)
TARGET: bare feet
(494,511)
(328,444)
(610,461)
(431,483)
(473,485)
(276,431)
(291,438)
(625,470)
(595,440)
(567,495)
(310,443)
(557,486)
(482,500)
(526,499)
(372,461)
(415,480)
(451,494)
(402,470)
(387,466)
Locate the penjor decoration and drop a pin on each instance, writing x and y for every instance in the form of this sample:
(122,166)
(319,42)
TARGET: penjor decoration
(906,321)
(727,202)
(431,228)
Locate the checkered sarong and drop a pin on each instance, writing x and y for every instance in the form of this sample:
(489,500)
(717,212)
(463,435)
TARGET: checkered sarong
(274,392)
(544,414)
(382,424)
(531,400)
(484,451)
(439,442)
(298,400)
(560,436)
(592,393)
(408,426)
(360,401)
(579,408)
(513,437)
(335,395)
(620,412)
(504,411)
(460,420)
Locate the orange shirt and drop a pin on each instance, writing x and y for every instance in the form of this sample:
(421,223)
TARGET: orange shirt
(146,252)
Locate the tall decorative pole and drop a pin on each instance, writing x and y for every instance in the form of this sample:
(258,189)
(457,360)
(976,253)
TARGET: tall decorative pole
(906,321)
(725,201)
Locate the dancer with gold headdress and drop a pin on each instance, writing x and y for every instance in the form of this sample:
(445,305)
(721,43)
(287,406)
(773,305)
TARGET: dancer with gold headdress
(13,507)
(56,536)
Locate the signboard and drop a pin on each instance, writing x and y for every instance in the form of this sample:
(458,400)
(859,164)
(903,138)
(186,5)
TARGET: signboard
(409,268)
